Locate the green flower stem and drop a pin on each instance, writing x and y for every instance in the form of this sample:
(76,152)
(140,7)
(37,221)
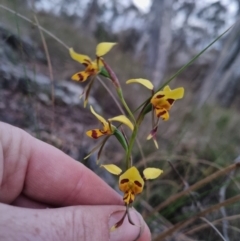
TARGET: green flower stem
(131,142)
(120,95)
(133,137)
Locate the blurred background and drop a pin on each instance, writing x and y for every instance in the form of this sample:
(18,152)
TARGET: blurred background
(155,39)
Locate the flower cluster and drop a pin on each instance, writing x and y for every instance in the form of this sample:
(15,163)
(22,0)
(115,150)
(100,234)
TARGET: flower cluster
(131,182)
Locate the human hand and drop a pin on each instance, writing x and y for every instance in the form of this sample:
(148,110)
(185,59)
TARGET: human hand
(46,195)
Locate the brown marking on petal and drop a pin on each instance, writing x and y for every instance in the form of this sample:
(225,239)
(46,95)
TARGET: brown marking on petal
(124,198)
(88,61)
(138,183)
(170,101)
(130,200)
(124,181)
(103,132)
(94,134)
(161,113)
(80,76)
(159,96)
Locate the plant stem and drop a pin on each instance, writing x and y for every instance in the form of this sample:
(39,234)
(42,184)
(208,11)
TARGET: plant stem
(131,142)
(120,95)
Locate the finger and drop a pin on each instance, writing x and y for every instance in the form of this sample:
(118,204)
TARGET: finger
(85,223)
(45,174)
(25,202)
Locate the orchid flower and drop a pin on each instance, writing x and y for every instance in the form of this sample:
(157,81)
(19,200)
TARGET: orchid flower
(131,183)
(162,101)
(108,128)
(93,67)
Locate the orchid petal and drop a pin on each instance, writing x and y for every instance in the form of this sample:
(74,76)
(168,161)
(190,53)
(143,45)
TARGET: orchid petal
(163,113)
(112,169)
(123,119)
(100,118)
(152,173)
(166,88)
(104,48)
(144,82)
(95,133)
(131,175)
(83,59)
(167,93)
(80,76)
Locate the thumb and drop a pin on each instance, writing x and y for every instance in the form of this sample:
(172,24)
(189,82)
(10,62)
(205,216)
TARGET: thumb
(85,223)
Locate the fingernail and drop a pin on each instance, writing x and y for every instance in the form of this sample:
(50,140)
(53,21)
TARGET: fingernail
(126,231)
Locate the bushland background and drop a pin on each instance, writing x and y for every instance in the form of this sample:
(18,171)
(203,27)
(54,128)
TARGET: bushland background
(156,38)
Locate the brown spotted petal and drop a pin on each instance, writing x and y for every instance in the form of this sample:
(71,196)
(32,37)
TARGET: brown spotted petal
(80,76)
(96,133)
(131,184)
(162,112)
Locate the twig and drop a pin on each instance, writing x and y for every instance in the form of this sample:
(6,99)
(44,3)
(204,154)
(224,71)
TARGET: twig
(222,195)
(197,185)
(197,204)
(217,231)
(200,227)
(180,225)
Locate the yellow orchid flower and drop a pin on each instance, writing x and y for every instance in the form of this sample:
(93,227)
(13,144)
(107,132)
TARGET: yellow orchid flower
(131,183)
(108,128)
(92,67)
(162,101)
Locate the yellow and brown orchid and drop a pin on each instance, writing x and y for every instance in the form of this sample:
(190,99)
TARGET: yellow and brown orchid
(131,183)
(108,128)
(162,101)
(93,67)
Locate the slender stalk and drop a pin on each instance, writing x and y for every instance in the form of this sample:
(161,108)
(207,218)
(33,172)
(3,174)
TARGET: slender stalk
(132,139)
(120,95)
(131,143)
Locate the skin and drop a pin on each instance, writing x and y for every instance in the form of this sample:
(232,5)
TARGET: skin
(46,195)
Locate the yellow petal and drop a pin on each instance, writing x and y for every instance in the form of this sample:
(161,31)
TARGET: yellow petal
(123,119)
(152,173)
(168,94)
(95,133)
(103,48)
(83,59)
(144,82)
(112,169)
(80,76)
(166,88)
(175,94)
(100,118)
(133,176)
(163,113)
